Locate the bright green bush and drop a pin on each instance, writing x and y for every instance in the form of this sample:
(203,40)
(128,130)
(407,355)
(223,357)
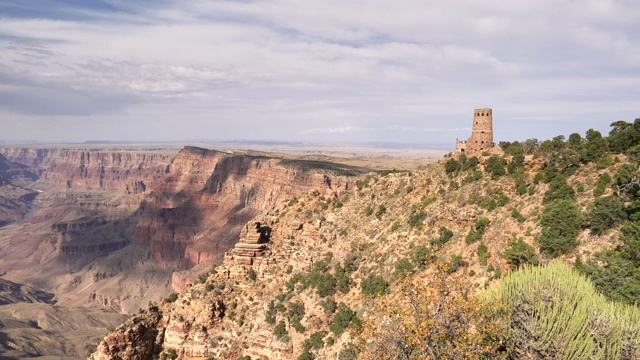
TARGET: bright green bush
(556,313)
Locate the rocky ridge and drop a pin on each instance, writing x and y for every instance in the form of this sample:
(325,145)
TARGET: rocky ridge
(265,300)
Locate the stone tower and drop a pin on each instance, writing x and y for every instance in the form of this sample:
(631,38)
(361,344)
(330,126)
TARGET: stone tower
(481,139)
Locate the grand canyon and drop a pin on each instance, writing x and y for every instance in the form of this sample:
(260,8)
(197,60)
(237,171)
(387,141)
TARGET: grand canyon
(99,232)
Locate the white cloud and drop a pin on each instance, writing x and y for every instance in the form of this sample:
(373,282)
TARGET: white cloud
(330,68)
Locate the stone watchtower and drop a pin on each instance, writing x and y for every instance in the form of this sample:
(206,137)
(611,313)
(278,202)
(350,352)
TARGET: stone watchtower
(481,139)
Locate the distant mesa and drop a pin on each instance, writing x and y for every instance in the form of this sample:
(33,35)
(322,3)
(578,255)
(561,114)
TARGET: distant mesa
(481,140)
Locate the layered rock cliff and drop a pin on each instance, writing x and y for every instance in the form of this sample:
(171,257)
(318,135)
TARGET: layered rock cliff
(108,220)
(88,169)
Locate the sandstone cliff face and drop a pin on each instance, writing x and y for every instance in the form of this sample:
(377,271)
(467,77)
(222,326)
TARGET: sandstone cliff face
(195,212)
(92,169)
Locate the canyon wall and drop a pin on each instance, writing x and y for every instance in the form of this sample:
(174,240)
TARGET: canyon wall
(89,169)
(112,225)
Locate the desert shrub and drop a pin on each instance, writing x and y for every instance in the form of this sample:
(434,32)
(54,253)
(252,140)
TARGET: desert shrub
(420,257)
(415,219)
(518,253)
(251,275)
(624,135)
(554,310)
(329,305)
(171,298)
(603,181)
(561,221)
(495,166)
(474,176)
(451,166)
(456,262)
(595,146)
(516,164)
(469,163)
(343,319)
(517,215)
(605,213)
(402,267)
(478,229)
(559,189)
(315,341)
(381,210)
(368,211)
(374,285)
(444,235)
(325,284)
(270,314)
(280,331)
(627,182)
(306,355)
(348,352)
(483,253)
(521,187)
(343,281)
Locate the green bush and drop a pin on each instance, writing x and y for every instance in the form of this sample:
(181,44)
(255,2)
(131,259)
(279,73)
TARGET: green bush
(483,254)
(368,211)
(517,215)
(606,213)
(270,315)
(561,221)
(343,319)
(520,253)
(402,267)
(420,257)
(280,331)
(329,305)
(559,189)
(480,225)
(456,262)
(444,235)
(603,181)
(616,273)
(451,166)
(495,166)
(343,281)
(374,285)
(415,219)
(251,275)
(171,298)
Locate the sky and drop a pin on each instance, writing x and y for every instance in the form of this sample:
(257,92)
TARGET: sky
(408,72)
